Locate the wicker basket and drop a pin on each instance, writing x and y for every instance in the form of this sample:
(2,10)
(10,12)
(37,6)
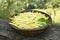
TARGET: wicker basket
(32,32)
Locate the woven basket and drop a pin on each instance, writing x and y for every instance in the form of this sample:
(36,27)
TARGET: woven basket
(32,32)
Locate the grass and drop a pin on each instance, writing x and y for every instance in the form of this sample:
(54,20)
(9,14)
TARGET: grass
(4,14)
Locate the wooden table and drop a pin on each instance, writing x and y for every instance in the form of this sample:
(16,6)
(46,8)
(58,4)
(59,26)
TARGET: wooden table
(52,33)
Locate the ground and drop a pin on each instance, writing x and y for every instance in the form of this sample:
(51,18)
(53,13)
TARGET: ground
(51,33)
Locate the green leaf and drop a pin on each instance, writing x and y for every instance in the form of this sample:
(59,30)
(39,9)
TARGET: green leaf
(47,22)
(42,25)
(41,19)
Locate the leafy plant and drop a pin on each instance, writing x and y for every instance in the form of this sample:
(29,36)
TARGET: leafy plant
(46,21)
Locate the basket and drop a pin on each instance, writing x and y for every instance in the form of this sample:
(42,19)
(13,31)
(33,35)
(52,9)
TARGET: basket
(32,32)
